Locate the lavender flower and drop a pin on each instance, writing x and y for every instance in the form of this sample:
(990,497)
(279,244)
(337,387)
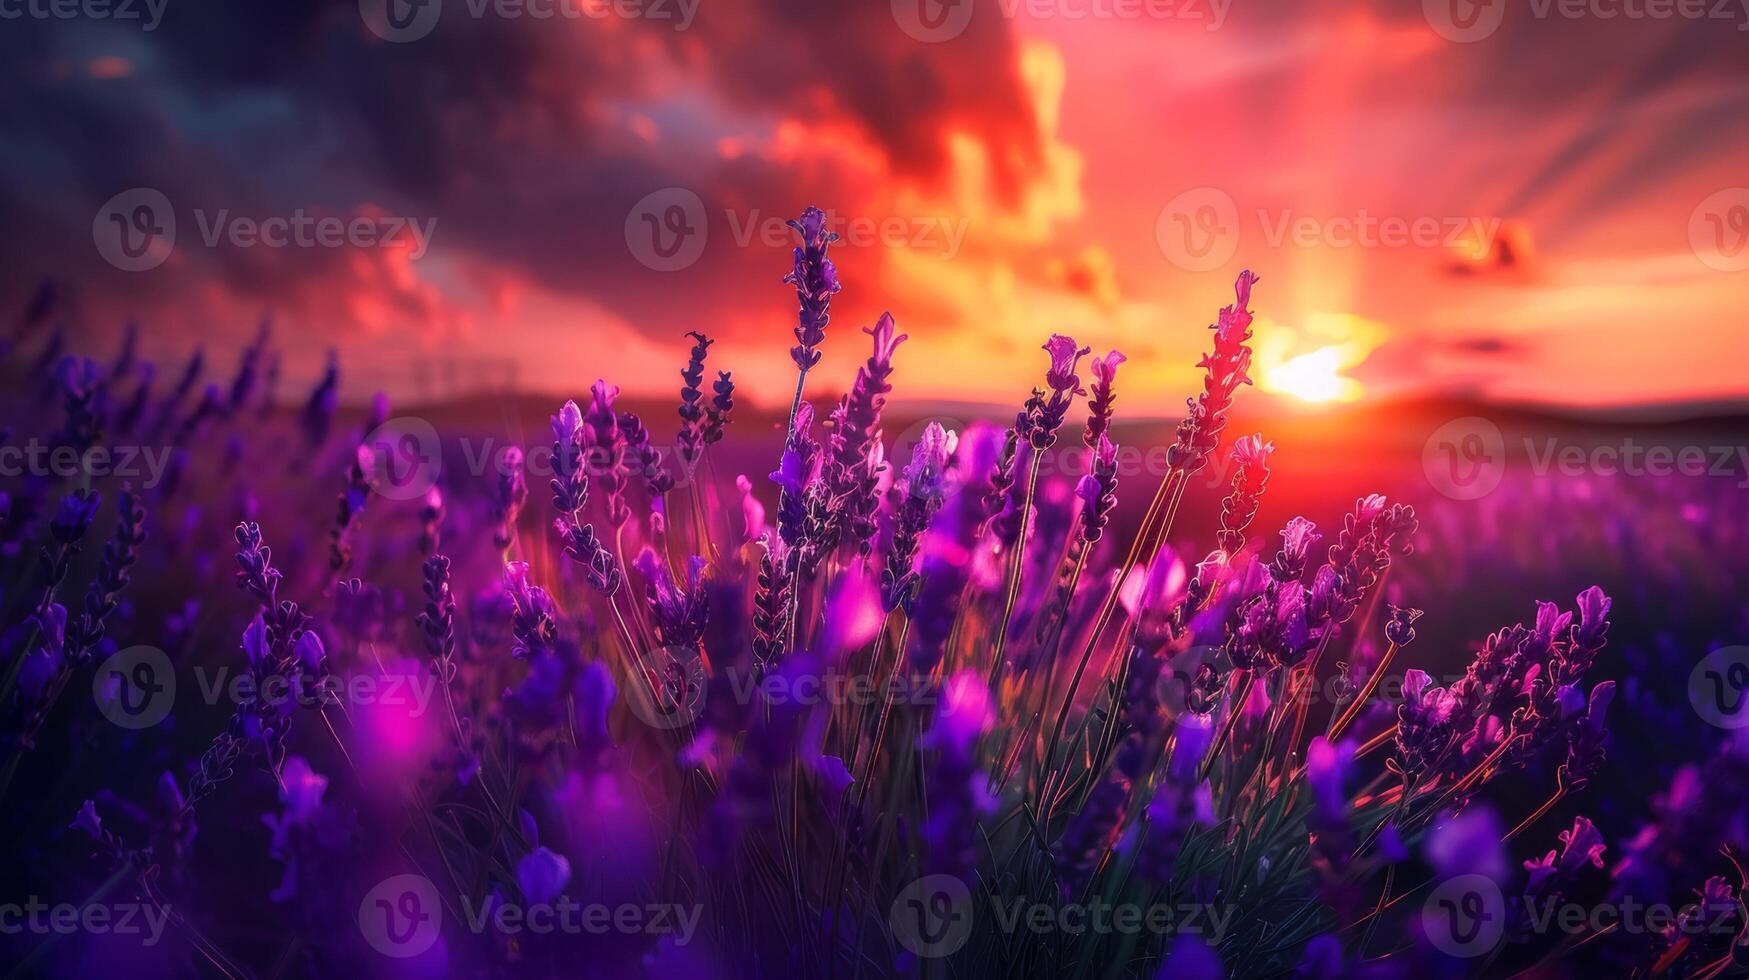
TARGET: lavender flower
(534,622)
(797,470)
(1046,416)
(690,443)
(605,449)
(1101,399)
(815,280)
(1250,475)
(1297,540)
(511,494)
(923,487)
(855,465)
(1098,491)
(1224,368)
(645,458)
(722,406)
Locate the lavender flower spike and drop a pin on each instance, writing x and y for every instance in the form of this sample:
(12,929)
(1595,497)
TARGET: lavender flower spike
(1045,416)
(1225,369)
(815,280)
(1101,398)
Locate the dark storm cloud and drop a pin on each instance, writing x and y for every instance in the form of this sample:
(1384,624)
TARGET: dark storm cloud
(511,133)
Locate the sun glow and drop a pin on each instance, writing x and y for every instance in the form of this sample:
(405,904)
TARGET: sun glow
(1314,377)
(1319,374)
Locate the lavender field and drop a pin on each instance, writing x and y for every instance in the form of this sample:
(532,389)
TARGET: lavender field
(612,687)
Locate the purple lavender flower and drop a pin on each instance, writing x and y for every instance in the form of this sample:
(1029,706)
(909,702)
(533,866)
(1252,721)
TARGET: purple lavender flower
(1225,370)
(78,509)
(318,414)
(854,464)
(1297,540)
(511,493)
(1045,415)
(542,874)
(815,280)
(570,482)
(1422,724)
(689,445)
(586,549)
(605,449)
(1101,399)
(722,406)
(923,486)
(771,603)
(644,458)
(679,613)
(1250,476)
(535,619)
(1098,491)
(1401,627)
(798,469)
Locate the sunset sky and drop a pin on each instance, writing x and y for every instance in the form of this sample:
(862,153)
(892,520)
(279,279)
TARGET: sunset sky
(1550,210)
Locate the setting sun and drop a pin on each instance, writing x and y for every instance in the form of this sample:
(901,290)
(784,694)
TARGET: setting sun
(1314,377)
